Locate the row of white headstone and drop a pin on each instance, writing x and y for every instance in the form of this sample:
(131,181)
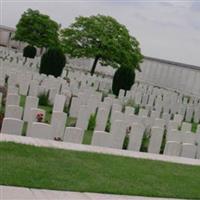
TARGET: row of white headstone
(82,107)
(161,106)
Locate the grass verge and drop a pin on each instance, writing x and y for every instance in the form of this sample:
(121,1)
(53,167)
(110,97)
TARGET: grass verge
(36,167)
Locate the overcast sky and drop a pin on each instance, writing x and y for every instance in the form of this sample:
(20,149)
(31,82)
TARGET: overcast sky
(165,29)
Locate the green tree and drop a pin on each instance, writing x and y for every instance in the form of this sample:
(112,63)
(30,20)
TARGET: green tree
(53,61)
(124,78)
(37,29)
(102,38)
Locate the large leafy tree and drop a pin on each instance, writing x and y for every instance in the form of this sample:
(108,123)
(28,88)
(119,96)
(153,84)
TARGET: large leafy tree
(104,39)
(37,29)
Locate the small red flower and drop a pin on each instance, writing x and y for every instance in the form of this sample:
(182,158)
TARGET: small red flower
(39,117)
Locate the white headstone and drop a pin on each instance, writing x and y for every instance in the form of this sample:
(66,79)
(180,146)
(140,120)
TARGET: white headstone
(188,150)
(189,113)
(58,121)
(116,115)
(155,140)
(40,130)
(52,95)
(174,135)
(136,136)
(33,89)
(101,138)
(172,125)
(186,126)
(172,148)
(118,133)
(31,102)
(12,99)
(13,111)
(166,117)
(59,103)
(101,119)
(74,135)
(12,126)
(159,123)
(83,117)
(74,108)
(23,87)
(188,137)
(178,118)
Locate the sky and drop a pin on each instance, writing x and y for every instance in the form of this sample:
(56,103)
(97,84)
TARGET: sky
(166,29)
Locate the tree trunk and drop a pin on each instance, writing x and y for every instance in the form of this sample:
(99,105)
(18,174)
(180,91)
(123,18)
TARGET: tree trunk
(94,65)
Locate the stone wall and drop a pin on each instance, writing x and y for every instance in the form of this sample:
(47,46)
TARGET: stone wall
(172,75)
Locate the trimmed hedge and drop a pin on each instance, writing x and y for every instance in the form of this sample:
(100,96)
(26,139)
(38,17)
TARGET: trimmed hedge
(53,62)
(29,51)
(123,78)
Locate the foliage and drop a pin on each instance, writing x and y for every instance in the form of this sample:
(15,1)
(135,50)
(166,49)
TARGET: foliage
(108,126)
(102,38)
(53,62)
(37,29)
(29,51)
(137,109)
(43,99)
(22,100)
(194,127)
(123,79)
(130,103)
(92,123)
(71,121)
(125,143)
(87,138)
(145,143)
(163,142)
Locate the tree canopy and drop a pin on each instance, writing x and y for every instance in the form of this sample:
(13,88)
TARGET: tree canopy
(104,39)
(37,29)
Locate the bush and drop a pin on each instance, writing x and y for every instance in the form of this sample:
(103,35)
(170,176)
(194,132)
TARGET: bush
(123,78)
(52,62)
(43,99)
(91,123)
(29,52)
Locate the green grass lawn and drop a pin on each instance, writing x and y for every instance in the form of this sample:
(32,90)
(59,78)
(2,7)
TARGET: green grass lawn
(36,167)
